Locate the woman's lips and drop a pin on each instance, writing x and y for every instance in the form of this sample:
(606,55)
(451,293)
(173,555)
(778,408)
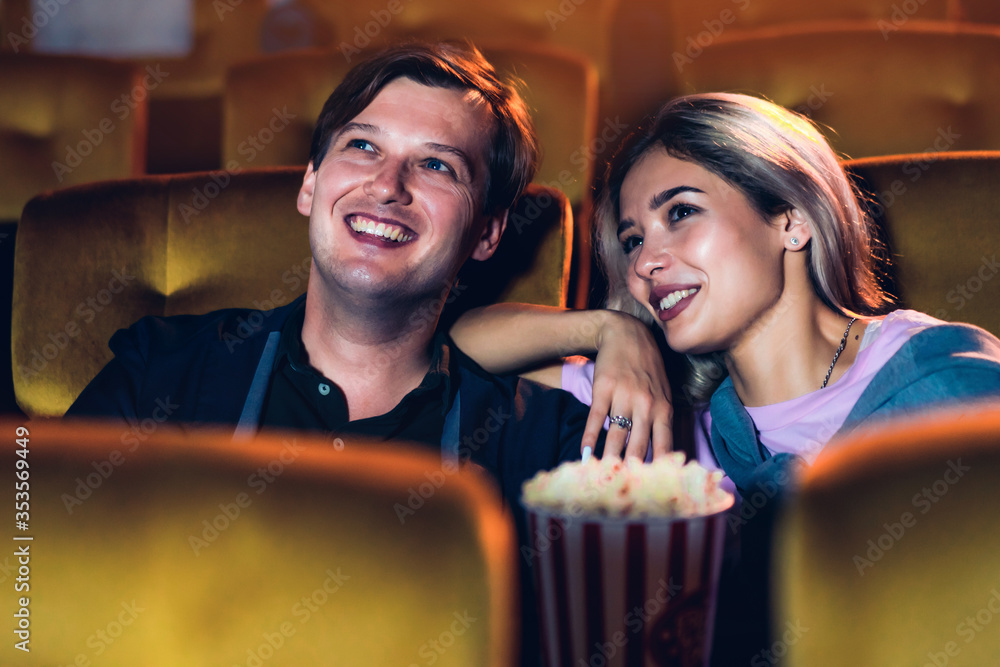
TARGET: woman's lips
(670,300)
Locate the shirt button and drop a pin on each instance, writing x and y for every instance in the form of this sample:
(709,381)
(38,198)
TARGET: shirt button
(324,388)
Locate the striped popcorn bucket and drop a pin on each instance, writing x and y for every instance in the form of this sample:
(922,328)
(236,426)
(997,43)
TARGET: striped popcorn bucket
(626,592)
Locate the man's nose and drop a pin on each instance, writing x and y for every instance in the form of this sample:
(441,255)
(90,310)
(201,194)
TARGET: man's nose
(389,183)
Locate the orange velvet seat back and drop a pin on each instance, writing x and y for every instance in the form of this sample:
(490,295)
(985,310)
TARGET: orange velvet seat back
(185,548)
(888,554)
(941,213)
(67,120)
(93,259)
(906,90)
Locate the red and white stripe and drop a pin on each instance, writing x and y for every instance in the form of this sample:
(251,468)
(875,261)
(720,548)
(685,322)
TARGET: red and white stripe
(605,587)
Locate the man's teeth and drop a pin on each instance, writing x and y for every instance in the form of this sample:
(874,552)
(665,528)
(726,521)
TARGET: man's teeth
(379,229)
(670,300)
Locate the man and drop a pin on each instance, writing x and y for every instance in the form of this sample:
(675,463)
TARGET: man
(415,161)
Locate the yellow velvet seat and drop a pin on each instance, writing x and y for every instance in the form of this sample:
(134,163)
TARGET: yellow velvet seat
(271,105)
(888,554)
(93,259)
(916,87)
(165,547)
(941,213)
(66,120)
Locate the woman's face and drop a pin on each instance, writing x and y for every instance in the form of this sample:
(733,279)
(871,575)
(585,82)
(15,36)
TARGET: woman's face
(699,258)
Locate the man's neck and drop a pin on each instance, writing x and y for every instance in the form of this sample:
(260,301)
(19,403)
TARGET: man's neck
(375,358)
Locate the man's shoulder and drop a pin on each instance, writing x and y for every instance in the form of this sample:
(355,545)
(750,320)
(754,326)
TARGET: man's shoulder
(229,326)
(512,386)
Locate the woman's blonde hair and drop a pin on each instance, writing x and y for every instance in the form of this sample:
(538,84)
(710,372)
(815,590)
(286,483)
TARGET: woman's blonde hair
(779,161)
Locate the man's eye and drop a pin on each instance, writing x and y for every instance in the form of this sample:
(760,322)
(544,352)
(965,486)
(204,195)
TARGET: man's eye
(631,243)
(437,165)
(361,144)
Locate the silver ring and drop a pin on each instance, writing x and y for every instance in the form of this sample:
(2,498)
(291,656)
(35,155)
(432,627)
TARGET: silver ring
(623,422)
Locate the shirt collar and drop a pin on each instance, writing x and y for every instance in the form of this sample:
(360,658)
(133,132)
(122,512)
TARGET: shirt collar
(442,375)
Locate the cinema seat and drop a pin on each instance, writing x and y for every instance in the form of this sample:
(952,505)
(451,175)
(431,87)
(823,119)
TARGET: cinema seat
(95,258)
(875,91)
(164,547)
(941,215)
(66,120)
(887,554)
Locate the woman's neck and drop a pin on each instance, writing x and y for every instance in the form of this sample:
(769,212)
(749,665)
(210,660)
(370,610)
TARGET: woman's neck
(788,352)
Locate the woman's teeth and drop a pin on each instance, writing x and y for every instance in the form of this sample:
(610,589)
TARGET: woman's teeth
(379,229)
(671,300)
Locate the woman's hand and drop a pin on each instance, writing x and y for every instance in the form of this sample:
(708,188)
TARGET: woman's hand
(630,381)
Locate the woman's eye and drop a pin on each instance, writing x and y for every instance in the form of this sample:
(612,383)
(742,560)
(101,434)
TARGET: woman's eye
(681,211)
(631,243)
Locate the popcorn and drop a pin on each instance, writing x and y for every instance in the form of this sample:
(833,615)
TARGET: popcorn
(668,488)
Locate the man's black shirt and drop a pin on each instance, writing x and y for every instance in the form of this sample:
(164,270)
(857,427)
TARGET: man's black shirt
(300,397)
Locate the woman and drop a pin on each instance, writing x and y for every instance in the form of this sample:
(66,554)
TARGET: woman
(730,224)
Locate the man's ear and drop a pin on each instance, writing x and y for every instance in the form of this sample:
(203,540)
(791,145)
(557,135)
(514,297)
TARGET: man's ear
(488,241)
(305,198)
(796,231)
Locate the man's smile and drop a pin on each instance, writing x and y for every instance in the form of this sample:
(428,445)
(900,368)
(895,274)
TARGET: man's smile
(380,228)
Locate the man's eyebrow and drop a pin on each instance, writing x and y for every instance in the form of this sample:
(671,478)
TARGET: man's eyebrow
(459,155)
(661,198)
(367,128)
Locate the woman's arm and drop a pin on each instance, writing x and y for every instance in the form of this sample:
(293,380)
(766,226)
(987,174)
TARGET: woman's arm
(629,378)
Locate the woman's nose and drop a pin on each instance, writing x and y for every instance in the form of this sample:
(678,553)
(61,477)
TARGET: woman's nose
(653,257)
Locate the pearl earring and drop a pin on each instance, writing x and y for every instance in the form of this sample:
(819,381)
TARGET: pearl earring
(795,241)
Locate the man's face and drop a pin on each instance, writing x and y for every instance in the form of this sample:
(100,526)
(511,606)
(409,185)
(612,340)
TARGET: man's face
(396,205)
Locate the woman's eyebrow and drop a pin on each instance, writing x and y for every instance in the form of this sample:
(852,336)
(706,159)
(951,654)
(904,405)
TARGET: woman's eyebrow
(661,198)
(624,225)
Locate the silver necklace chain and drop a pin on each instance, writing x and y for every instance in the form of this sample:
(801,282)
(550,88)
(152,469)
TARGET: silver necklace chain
(843,344)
